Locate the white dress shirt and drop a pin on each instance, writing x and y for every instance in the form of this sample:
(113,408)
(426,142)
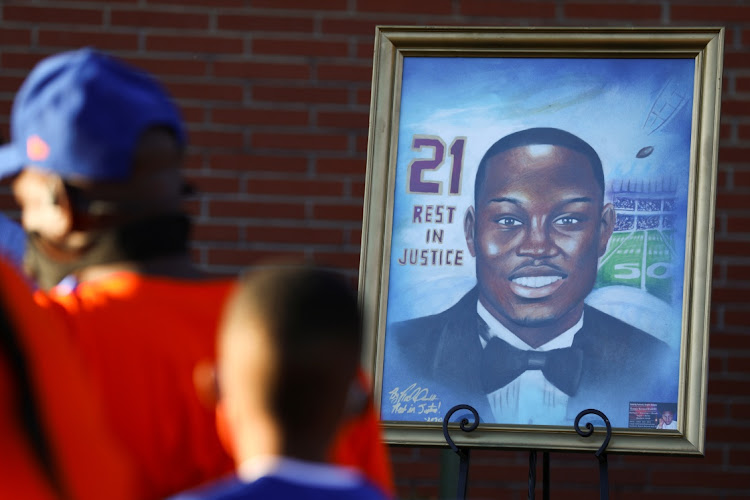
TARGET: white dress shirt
(530,399)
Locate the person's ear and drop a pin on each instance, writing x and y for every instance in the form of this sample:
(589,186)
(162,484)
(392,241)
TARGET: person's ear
(469,230)
(607,226)
(357,399)
(206,384)
(224,430)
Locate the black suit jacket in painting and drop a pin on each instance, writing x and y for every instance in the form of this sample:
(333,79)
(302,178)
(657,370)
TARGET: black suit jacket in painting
(432,363)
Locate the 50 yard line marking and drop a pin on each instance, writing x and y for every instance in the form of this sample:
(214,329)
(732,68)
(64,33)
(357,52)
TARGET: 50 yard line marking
(614,250)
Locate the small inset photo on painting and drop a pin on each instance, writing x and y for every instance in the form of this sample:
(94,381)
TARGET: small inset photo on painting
(653,416)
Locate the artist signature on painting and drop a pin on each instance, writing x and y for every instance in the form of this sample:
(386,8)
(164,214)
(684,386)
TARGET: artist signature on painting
(415,400)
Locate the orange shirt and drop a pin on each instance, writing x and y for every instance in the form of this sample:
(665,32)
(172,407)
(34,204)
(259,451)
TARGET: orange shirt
(87,459)
(141,337)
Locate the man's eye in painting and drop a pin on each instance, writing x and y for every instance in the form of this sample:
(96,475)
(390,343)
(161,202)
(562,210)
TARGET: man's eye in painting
(508,221)
(567,220)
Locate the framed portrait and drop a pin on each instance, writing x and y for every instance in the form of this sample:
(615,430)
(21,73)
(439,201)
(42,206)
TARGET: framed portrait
(538,233)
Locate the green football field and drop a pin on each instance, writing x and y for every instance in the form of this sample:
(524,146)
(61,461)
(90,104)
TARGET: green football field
(641,259)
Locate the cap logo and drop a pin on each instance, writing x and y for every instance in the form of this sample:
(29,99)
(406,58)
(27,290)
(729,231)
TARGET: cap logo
(36,148)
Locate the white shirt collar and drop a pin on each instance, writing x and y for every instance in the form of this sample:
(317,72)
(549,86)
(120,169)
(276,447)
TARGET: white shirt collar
(496,329)
(298,471)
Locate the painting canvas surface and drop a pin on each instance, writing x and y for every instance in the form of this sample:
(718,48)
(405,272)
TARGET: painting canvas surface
(636,114)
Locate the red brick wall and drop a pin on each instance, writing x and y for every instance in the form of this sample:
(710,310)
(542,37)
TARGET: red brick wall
(276,95)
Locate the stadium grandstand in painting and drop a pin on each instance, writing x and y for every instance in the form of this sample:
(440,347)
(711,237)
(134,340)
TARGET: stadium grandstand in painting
(642,249)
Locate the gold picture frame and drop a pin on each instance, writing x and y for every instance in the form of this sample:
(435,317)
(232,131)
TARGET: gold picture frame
(647,100)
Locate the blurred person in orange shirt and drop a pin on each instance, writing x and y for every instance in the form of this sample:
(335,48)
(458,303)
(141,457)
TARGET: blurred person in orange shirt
(96,151)
(54,442)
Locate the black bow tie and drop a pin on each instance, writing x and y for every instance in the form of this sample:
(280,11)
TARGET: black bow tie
(502,363)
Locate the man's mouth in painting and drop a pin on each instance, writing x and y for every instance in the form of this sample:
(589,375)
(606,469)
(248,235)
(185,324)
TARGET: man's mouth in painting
(536,282)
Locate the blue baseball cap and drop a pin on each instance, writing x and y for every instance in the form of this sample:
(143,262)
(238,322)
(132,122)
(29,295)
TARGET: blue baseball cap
(80,114)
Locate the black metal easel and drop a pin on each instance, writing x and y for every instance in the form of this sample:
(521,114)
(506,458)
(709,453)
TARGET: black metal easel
(464,452)
(532,475)
(601,453)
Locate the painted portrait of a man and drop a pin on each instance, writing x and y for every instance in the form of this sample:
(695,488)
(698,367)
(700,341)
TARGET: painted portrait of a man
(522,346)
(551,286)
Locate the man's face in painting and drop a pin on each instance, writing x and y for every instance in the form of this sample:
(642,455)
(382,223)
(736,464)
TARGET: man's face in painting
(667,416)
(537,232)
